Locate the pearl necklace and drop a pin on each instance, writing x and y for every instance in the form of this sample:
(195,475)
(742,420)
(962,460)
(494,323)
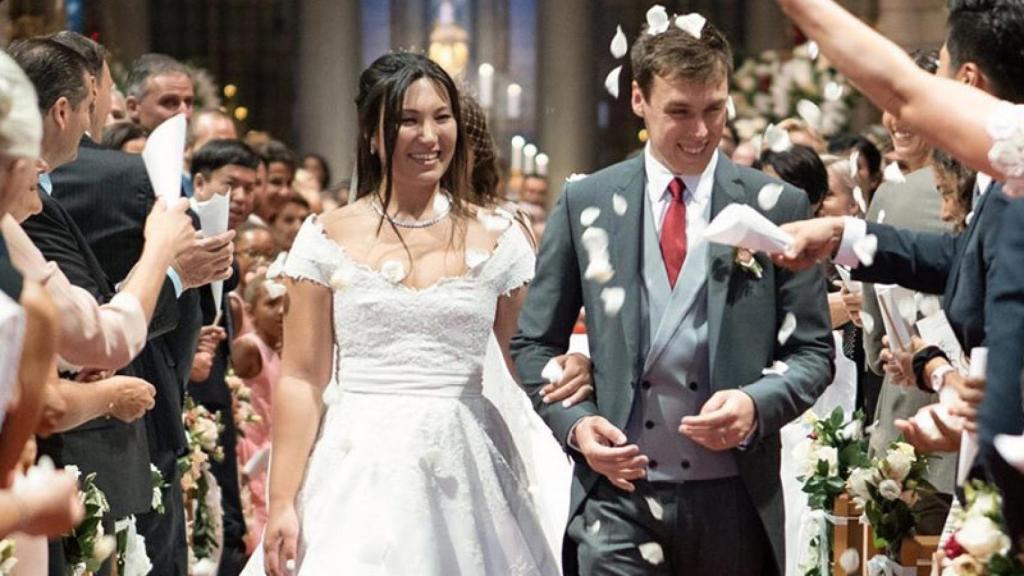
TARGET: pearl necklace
(442,208)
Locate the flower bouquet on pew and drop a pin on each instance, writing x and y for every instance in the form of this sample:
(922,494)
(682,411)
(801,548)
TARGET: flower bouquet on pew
(980,546)
(833,448)
(87,546)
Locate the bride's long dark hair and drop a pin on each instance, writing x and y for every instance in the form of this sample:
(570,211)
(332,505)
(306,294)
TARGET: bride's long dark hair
(381,96)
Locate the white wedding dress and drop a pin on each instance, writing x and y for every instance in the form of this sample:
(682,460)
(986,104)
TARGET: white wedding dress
(414,471)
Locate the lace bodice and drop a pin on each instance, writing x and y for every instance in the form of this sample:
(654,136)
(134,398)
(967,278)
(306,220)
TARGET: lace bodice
(382,324)
(1006,127)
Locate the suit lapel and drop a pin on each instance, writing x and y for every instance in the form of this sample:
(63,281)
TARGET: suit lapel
(626,244)
(728,189)
(969,234)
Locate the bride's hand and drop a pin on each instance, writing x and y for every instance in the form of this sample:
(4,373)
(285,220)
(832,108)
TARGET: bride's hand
(576,384)
(280,541)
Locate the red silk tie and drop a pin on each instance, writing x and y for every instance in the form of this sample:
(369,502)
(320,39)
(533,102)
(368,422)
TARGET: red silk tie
(673,232)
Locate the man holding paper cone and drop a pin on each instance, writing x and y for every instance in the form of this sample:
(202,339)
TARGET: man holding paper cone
(677,453)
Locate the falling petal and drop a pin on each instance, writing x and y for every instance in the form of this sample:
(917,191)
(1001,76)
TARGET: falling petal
(589,215)
(552,372)
(865,249)
(833,91)
(441,203)
(611,82)
(657,20)
(858,197)
(907,308)
(595,527)
(475,258)
(656,510)
(599,270)
(881,216)
(277,267)
(730,108)
(595,240)
(393,270)
(776,139)
(619,44)
(613,298)
(787,328)
(778,368)
(290,565)
(619,204)
(928,305)
(768,197)
(894,174)
(274,290)
(652,553)
(849,561)
(868,321)
(692,24)
(574,177)
(813,50)
(810,112)
(854,164)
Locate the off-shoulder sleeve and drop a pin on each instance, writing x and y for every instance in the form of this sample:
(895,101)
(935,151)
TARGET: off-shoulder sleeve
(513,262)
(313,256)
(1005,126)
(91,335)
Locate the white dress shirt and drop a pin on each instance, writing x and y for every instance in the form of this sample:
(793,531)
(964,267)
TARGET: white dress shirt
(697,195)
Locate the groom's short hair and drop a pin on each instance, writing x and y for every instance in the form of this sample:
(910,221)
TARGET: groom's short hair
(990,33)
(677,54)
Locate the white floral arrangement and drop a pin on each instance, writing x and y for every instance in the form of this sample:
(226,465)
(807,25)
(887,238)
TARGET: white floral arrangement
(887,490)
(87,547)
(132,559)
(768,88)
(241,403)
(199,488)
(1006,128)
(7,559)
(979,545)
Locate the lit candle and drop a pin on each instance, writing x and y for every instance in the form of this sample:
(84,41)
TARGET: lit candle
(516,161)
(529,156)
(485,78)
(515,96)
(542,164)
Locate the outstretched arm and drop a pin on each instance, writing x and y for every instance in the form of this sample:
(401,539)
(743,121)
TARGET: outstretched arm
(948,114)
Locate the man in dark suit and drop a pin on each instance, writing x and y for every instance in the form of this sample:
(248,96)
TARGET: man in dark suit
(109,194)
(677,453)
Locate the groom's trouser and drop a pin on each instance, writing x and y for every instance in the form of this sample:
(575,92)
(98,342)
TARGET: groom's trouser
(706,528)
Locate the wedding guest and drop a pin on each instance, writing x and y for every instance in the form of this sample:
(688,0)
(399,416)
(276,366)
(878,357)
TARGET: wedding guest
(800,166)
(839,200)
(158,87)
(801,133)
(956,185)
(306,186)
(256,358)
(125,136)
(317,165)
(869,162)
(289,219)
(117,112)
(209,124)
(280,165)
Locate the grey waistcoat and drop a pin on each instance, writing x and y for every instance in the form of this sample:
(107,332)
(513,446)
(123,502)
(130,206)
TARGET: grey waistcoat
(676,378)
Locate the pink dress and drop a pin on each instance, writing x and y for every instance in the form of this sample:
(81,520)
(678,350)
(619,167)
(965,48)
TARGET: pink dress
(256,436)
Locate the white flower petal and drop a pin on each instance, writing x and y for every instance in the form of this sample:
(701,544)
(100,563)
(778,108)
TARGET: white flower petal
(619,45)
(868,321)
(813,50)
(778,368)
(656,510)
(787,328)
(619,204)
(599,270)
(692,24)
(907,308)
(849,561)
(274,290)
(776,139)
(652,553)
(611,82)
(589,215)
(475,258)
(613,298)
(277,266)
(854,164)
(730,108)
(833,91)
(858,197)
(810,112)
(865,249)
(595,240)
(595,527)
(342,277)
(290,565)
(928,304)
(393,270)
(893,174)
(657,20)
(881,216)
(552,372)
(574,177)
(768,197)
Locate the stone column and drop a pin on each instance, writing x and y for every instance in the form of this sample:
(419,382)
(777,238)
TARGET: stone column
(566,115)
(328,78)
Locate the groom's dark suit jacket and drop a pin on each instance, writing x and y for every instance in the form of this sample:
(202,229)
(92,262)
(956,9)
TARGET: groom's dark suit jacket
(744,316)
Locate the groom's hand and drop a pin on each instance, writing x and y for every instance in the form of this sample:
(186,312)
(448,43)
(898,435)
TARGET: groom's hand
(724,422)
(604,446)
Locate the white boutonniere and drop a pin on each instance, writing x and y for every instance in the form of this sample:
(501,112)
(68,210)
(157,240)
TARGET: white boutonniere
(745,259)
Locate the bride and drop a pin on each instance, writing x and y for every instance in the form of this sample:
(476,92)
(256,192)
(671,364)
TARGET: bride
(410,470)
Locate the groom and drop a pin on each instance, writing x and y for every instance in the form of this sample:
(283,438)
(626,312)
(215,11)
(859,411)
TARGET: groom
(677,453)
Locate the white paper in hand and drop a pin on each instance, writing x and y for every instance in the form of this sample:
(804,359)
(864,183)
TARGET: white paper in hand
(896,326)
(257,463)
(164,156)
(741,226)
(213,219)
(12,334)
